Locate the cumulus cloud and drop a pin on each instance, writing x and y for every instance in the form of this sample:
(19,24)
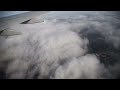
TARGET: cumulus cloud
(106,23)
(85,67)
(64,48)
(50,45)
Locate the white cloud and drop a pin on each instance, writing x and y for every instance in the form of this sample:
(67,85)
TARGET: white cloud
(55,49)
(85,67)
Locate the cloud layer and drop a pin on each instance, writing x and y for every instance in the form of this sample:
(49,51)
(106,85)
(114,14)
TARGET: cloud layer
(65,48)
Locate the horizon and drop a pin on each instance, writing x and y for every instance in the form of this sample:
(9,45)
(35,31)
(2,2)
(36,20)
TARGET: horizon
(10,13)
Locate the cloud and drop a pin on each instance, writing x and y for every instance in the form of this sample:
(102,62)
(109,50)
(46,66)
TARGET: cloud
(85,67)
(63,49)
(50,45)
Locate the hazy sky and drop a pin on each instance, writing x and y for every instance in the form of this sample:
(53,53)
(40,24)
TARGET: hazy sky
(9,13)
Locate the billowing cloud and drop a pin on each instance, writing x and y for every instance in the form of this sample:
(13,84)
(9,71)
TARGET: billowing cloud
(84,67)
(65,48)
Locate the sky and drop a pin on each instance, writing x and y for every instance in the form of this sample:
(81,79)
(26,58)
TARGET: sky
(9,13)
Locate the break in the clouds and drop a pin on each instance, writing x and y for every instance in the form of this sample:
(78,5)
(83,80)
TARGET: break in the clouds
(83,47)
